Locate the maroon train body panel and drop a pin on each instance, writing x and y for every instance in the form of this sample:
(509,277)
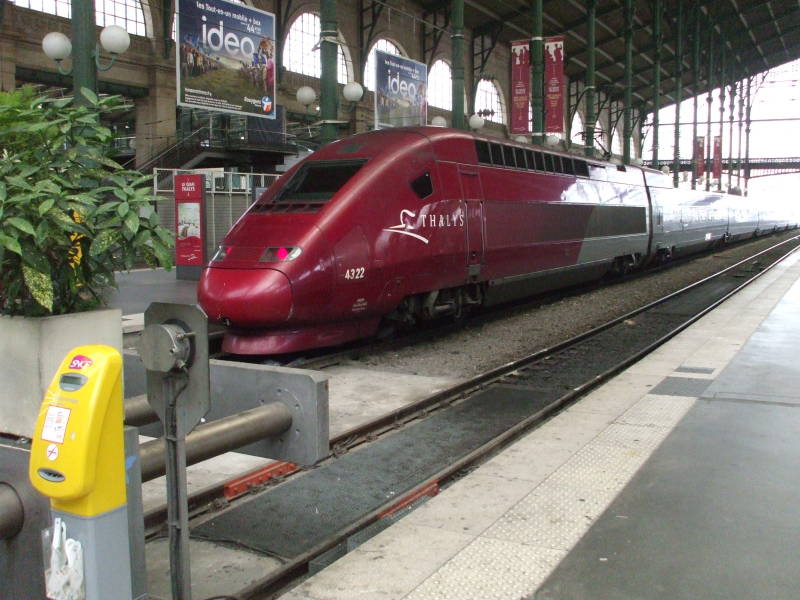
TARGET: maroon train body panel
(415,223)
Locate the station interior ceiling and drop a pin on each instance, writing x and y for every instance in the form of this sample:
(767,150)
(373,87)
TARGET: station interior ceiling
(757,34)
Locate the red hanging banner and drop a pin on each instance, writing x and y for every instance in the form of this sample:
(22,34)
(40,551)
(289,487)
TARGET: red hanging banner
(189,220)
(717,173)
(520,86)
(699,157)
(554,84)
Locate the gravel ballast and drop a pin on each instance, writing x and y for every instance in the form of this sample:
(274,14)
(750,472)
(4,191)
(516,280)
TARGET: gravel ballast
(485,343)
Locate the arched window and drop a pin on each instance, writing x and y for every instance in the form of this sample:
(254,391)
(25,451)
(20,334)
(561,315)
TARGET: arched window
(576,132)
(616,142)
(488,102)
(301,49)
(440,86)
(125,13)
(383,45)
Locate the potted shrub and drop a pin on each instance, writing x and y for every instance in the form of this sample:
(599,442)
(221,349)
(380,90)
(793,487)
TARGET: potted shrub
(70,216)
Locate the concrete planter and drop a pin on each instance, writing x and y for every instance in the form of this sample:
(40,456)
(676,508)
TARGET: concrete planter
(32,348)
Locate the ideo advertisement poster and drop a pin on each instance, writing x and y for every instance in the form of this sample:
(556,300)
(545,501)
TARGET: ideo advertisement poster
(401,94)
(225,57)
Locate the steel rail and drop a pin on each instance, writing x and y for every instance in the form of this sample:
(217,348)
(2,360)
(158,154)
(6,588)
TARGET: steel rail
(297,565)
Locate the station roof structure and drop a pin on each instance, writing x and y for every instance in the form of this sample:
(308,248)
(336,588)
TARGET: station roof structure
(757,35)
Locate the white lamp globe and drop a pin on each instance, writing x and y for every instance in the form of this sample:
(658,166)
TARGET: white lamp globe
(521,139)
(552,140)
(306,95)
(476,122)
(56,46)
(665,170)
(439,121)
(353,91)
(115,39)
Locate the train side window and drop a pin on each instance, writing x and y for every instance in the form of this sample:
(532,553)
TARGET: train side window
(482,149)
(539,161)
(557,166)
(520,154)
(569,169)
(531,160)
(548,162)
(508,153)
(581,168)
(497,155)
(422,185)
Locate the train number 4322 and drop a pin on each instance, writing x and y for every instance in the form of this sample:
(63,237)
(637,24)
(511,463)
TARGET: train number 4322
(357,273)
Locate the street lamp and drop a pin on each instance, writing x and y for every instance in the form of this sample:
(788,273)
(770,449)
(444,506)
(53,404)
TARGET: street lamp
(84,49)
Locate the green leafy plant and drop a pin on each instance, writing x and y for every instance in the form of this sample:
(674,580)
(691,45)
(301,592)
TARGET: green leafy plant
(70,215)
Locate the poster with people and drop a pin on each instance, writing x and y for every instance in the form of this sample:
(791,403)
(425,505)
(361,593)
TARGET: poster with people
(401,95)
(225,55)
(520,86)
(554,84)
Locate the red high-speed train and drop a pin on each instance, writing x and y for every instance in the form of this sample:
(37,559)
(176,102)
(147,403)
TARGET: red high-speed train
(415,223)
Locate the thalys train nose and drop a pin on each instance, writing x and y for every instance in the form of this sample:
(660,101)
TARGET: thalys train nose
(245,297)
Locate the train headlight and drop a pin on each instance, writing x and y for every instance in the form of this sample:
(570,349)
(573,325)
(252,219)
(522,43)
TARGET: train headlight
(221,253)
(280,254)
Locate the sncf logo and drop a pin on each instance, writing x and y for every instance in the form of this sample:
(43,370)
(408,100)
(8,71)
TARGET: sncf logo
(79,361)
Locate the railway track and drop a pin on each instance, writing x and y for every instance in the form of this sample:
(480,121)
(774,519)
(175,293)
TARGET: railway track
(540,385)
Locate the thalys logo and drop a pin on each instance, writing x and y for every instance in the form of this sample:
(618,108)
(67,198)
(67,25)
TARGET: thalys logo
(79,361)
(427,221)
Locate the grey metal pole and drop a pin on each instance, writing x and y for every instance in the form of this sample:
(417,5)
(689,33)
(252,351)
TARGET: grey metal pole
(748,108)
(591,114)
(219,436)
(177,497)
(730,134)
(741,124)
(84,72)
(537,85)
(627,126)
(696,75)
(329,96)
(676,161)
(709,100)
(721,108)
(457,49)
(659,40)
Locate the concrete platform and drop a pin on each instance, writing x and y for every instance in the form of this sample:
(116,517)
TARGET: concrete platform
(676,480)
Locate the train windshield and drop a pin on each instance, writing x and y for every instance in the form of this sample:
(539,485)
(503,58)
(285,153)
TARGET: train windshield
(318,181)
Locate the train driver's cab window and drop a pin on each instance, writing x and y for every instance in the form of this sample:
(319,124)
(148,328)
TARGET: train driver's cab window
(318,181)
(422,185)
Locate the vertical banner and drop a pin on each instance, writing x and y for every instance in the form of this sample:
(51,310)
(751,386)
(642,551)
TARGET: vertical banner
(189,225)
(554,84)
(520,86)
(401,94)
(699,156)
(225,57)
(717,173)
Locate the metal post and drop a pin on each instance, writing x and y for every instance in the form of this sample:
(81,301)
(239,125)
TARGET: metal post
(84,73)
(457,43)
(676,161)
(537,87)
(591,114)
(709,100)
(627,126)
(329,97)
(730,134)
(721,107)
(659,39)
(696,74)
(177,498)
(747,138)
(741,124)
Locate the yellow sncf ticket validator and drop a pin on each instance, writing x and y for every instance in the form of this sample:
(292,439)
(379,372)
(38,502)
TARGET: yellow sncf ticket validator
(78,451)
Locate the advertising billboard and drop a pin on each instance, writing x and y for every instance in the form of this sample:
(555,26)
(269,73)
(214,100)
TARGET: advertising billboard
(554,84)
(520,86)
(225,57)
(401,97)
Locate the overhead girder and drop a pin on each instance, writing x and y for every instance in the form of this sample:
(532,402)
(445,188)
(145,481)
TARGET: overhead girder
(432,33)
(369,14)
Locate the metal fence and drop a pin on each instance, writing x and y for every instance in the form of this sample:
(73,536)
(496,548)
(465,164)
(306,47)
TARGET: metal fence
(228,195)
